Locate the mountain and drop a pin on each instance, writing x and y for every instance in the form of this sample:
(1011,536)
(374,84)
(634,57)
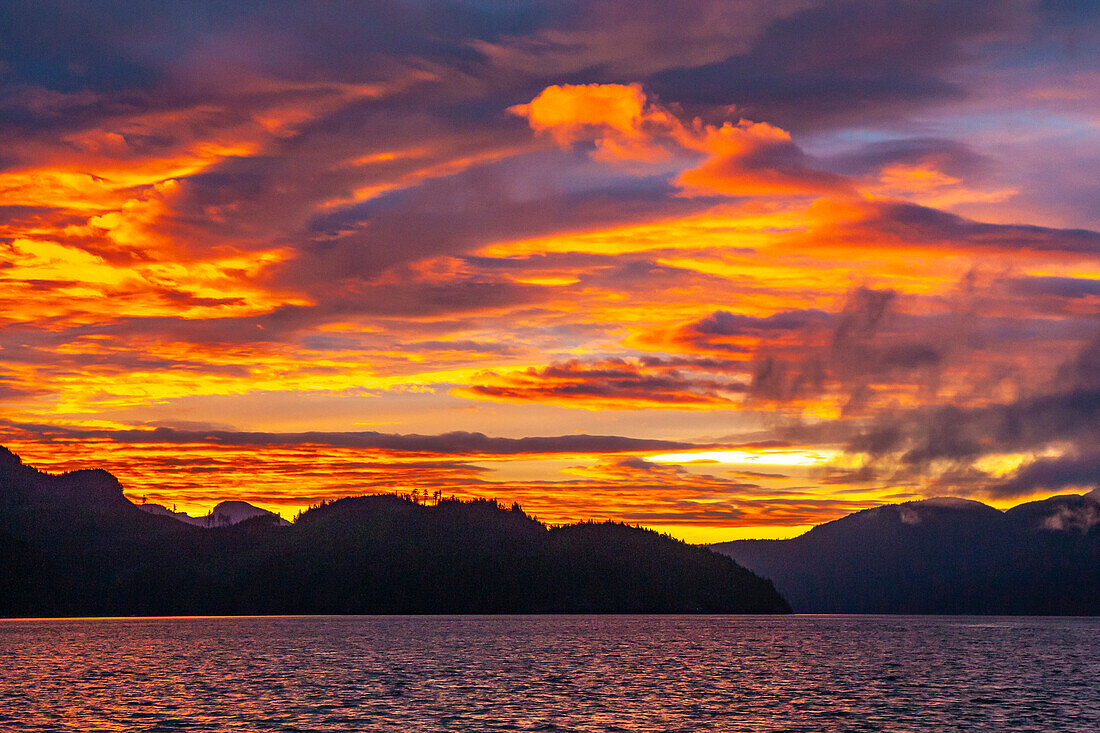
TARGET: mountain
(1067,513)
(73,544)
(163,511)
(225,514)
(941,555)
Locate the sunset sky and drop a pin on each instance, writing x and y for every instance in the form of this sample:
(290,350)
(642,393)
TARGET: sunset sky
(722,269)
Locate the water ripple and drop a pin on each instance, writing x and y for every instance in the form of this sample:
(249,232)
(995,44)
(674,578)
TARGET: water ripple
(551,673)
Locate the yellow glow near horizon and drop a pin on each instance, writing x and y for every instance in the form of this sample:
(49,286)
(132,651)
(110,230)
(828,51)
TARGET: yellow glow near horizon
(699,535)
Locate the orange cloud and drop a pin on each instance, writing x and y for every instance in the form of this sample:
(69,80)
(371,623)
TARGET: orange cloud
(610,384)
(615,116)
(923,182)
(739,159)
(754,159)
(142,261)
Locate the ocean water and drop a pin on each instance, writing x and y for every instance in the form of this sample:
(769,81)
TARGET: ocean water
(550,673)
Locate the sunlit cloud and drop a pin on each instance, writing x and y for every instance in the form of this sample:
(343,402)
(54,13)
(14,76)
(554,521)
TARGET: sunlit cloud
(761,458)
(738,158)
(865,235)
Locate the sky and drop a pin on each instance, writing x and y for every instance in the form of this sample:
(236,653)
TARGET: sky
(721,269)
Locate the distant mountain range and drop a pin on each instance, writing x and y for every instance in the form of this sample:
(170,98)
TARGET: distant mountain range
(941,555)
(73,544)
(225,514)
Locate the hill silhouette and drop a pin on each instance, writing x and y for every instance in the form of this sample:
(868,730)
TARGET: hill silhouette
(74,545)
(224,514)
(941,555)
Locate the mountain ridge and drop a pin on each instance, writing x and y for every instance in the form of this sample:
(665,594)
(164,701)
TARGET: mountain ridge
(73,545)
(224,514)
(941,555)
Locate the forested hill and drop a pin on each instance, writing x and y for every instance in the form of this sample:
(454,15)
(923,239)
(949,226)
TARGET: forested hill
(74,545)
(941,556)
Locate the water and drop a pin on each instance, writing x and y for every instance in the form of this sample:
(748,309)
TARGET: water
(577,673)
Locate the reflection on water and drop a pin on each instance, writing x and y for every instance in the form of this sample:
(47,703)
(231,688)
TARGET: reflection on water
(580,673)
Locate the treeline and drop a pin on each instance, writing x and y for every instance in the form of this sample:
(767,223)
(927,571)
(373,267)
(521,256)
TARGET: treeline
(78,547)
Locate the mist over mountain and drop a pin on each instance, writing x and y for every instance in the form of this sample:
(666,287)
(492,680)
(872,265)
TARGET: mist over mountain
(74,545)
(942,555)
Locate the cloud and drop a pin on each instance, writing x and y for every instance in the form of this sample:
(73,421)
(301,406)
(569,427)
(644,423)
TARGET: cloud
(757,159)
(1075,288)
(462,213)
(612,115)
(760,209)
(12,391)
(911,225)
(934,172)
(625,39)
(860,356)
(1052,474)
(951,157)
(723,332)
(951,440)
(740,158)
(463,346)
(835,63)
(456,443)
(608,384)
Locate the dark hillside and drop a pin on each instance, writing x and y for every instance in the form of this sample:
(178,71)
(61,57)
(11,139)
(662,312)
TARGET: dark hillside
(74,545)
(940,556)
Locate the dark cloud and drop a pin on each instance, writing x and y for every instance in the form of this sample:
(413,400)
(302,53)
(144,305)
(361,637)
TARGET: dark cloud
(457,214)
(1066,410)
(457,295)
(64,46)
(473,347)
(795,63)
(12,390)
(950,157)
(1058,287)
(779,381)
(1052,474)
(848,354)
(914,225)
(29,345)
(25,216)
(833,62)
(617,383)
(403,295)
(39,350)
(961,351)
(454,443)
(701,363)
(726,333)
(724,323)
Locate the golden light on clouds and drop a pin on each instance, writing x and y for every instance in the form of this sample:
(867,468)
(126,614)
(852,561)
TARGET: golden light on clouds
(816,305)
(792,458)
